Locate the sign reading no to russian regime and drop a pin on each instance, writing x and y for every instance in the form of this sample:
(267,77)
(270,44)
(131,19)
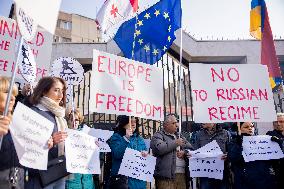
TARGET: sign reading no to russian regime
(231,93)
(126,87)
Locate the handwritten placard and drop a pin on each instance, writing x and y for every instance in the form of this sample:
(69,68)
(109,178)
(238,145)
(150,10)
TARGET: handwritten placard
(101,135)
(206,161)
(30,132)
(26,24)
(231,93)
(82,153)
(126,87)
(260,148)
(134,165)
(206,167)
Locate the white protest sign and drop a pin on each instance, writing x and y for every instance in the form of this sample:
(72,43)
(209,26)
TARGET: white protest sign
(231,93)
(68,69)
(101,135)
(212,167)
(82,153)
(125,87)
(41,47)
(27,64)
(26,24)
(44,12)
(134,165)
(211,149)
(206,161)
(260,148)
(31,132)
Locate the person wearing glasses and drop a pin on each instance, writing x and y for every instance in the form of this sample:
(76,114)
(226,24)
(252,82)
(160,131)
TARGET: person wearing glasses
(253,174)
(208,133)
(169,148)
(278,136)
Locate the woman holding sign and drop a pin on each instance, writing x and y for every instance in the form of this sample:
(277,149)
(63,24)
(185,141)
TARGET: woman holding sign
(49,100)
(77,180)
(127,136)
(248,175)
(11,172)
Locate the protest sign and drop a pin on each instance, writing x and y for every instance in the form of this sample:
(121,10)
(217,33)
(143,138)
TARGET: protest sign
(101,135)
(134,165)
(71,71)
(212,167)
(260,148)
(27,65)
(43,12)
(126,87)
(82,153)
(31,132)
(68,69)
(41,47)
(26,24)
(231,93)
(206,161)
(211,149)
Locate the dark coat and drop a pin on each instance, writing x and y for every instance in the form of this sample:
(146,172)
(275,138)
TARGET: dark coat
(249,175)
(278,164)
(8,161)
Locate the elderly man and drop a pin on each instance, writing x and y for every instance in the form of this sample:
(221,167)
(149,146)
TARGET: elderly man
(278,136)
(169,150)
(208,133)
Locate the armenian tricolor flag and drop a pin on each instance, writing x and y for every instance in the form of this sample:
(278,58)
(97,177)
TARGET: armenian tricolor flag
(260,29)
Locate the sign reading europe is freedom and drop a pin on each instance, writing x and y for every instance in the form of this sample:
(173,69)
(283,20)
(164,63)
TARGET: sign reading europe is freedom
(230,93)
(126,87)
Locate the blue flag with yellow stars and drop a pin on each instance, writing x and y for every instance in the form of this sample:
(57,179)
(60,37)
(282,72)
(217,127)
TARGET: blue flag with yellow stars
(148,36)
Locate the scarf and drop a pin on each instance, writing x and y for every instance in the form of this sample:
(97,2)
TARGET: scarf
(59,113)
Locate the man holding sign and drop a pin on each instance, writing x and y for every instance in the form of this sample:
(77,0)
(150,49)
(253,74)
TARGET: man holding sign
(170,165)
(207,134)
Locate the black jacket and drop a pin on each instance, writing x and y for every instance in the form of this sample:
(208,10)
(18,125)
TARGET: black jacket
(249,175)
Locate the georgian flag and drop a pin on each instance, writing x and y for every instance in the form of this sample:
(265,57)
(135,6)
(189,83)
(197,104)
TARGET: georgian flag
(114,11)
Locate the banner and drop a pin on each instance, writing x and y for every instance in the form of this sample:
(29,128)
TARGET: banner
(82,153)
(31,132)
(260,148)
(125,87)
(41,47)
(231,93)
(101,135)
(135,166)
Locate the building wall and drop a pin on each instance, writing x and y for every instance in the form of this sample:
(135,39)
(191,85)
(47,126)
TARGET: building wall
(76,28)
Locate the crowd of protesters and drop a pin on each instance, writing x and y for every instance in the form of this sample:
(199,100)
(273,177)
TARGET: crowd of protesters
(171,149)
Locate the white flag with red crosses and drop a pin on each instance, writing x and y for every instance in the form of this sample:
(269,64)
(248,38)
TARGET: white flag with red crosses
(114,11)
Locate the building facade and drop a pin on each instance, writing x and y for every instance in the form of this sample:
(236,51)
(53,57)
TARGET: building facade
(76,28)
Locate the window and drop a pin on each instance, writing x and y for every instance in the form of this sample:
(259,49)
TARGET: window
(64,24)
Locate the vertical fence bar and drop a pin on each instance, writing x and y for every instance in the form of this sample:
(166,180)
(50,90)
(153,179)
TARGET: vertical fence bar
(169,86)
(174,85)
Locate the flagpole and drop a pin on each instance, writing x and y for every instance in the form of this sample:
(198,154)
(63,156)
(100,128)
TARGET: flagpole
(12,82)
(180,63)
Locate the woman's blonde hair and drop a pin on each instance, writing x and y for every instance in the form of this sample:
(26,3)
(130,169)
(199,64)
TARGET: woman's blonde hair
(77,112)
(4,86)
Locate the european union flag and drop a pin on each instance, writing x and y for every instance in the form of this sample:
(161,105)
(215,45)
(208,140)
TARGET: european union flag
(148,36)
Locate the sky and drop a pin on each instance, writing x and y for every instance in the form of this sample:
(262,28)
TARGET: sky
(202,19)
